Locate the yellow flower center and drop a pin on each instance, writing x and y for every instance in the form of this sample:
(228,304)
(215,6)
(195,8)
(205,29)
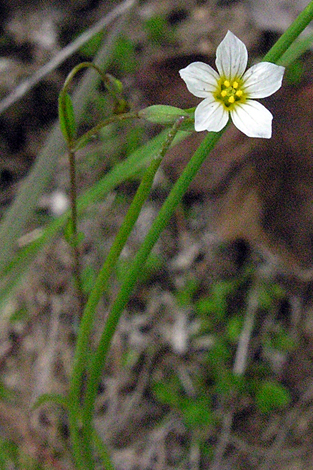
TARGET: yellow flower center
(230,93)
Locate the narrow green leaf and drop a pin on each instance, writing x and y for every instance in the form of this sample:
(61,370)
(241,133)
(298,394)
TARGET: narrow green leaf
(15,267)
(67,117)
(53,398)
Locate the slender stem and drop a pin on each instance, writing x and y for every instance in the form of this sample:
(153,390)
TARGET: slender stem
(100,286)
(26,200)
(159,224)
(177,192)
(74,234)
(73,196)
(296,50)
(102,451)
(92,132)
(73,192)
(113,85)
(120,172)
(118,306)
(289,36)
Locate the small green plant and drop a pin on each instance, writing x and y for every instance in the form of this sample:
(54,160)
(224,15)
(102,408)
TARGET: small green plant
(158,30)
(272,396)
(227,381)
(225,362)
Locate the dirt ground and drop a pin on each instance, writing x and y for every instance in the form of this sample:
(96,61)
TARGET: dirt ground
(242,236)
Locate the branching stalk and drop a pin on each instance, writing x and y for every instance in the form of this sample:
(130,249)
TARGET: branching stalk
(87,320)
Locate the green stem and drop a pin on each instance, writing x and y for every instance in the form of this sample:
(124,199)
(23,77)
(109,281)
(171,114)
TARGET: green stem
(74,234)
(102,451)
(113,86)
(128,168)
(159,224)
(92,132)
(296,50)
(289,36)
(87,321)
(157,227)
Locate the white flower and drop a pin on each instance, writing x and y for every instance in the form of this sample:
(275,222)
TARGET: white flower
(231,91)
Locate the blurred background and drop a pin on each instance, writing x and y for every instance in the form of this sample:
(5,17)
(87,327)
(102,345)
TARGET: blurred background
(170,397)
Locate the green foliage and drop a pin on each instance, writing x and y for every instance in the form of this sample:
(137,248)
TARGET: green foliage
(122,171)
(158,30)
(91,47)
(168,392)
(283,341)
(215,305)
(8,454)
(134,139)
(5,393)
(22,314)
(268,294)
(184,296)
(51,398)
(272,396)
(223,322)
(124,56)
(88,277)
(67,117)
(219,355)
(12,458)
(294,73)
(153,265)
(228,384)
(69,234)
(196,411)
(233,328)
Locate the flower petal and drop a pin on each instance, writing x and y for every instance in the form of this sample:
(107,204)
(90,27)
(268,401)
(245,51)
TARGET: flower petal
(263,79)
(210,116)
(201,79)
(253,119)
(231,57)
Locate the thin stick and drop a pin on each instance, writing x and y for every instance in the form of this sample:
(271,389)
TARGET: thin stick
(64,54)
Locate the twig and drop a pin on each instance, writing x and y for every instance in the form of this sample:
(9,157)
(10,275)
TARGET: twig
(245,336)
(64,54)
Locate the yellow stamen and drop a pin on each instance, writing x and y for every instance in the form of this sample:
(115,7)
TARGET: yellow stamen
(223,93)
(235,85)
(226,83)
(239,93)
(231,99)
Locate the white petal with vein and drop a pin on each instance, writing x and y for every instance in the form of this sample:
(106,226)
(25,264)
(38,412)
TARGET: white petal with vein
(210,115)
(231,57)
(201,79)
(253,119)
(263,79)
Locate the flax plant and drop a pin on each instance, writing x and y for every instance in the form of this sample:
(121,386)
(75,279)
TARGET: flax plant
(229,94)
